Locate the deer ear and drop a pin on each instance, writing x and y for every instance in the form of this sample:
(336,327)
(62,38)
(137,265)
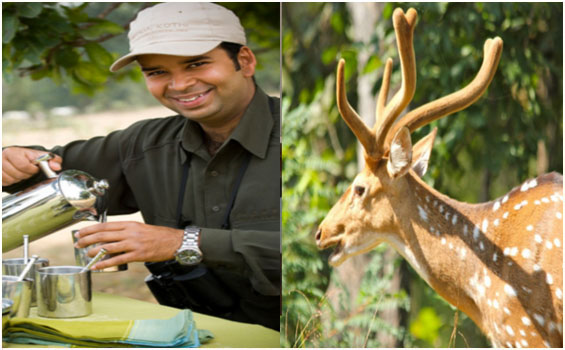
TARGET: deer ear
(421,153)
(400,158)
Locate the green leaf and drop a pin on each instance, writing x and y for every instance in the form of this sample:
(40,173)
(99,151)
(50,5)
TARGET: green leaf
(66,57)
(10,24)
(98,55)
(89,73)
(101,28)
(29,9)
(374,63)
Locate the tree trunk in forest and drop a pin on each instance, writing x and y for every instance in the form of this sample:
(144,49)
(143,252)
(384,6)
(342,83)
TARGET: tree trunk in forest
(350,273)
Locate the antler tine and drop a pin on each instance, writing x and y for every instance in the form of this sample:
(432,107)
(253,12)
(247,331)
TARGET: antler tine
(352,119)
(456,101)
(404,25)
(383,94)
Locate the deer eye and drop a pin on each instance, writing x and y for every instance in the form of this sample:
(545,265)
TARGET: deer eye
(359,190)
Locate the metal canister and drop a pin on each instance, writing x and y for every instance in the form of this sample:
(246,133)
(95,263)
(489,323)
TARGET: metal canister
(58,202)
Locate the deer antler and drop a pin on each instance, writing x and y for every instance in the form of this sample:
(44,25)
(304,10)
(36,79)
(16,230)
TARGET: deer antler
(456,101)
(373,140)
(404,27)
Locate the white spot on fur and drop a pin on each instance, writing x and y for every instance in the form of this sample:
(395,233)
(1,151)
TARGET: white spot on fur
(553,198)
(526,253)
(485,225)
(509,290)
(450,246)
(481,245)
(463,253)
(496,206)
(487,281)
(494,257)
(509,330)
(536,268)
(526,321)
(524,342)
(539,319)
(559,215)
(559,293)
(505,199)
(548,244)
(495,304)
(525,187)
(523,334)
(545,200)
(465,230)
(423,213)
(505,215)
(476,233)
(441,208)
(443,241)
(537,202)
(510,251)
(496,222)
(549,279)
(527,290)
(538,239)
(506,310)
(533,183)
(517,206)
(454,219)
(530,228)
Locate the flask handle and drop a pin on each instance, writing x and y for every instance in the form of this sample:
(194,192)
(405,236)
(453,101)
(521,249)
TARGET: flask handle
(43,162)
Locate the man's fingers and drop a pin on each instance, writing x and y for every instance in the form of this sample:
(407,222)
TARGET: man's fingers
(98,237)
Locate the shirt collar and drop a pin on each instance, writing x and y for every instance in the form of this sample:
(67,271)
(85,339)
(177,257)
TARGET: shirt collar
(253,131)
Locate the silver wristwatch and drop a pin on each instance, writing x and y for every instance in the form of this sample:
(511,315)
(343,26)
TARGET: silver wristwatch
(189,253)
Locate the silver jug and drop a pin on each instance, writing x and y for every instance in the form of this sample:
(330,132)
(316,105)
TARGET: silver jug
(58,202)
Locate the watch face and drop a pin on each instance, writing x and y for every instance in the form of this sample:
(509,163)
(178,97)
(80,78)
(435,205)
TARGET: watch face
(189,257)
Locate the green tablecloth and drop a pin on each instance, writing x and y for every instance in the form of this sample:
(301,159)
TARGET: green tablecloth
(107,307)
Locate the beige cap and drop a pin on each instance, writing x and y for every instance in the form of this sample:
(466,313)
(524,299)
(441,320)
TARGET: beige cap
(181,29)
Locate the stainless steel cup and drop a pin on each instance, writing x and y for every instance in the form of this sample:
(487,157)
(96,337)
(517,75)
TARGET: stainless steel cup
(20,294)
(13,267)
(63,292)
(82,258)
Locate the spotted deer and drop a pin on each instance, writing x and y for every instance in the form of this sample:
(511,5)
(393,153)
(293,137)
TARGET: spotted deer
(499,262)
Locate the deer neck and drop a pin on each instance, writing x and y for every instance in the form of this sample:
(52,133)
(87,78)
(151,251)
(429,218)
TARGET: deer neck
(446,241)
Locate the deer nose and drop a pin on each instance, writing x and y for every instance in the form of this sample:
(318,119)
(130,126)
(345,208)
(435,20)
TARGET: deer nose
(318,236)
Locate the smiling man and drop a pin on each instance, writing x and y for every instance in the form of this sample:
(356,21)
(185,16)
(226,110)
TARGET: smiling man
(207,181)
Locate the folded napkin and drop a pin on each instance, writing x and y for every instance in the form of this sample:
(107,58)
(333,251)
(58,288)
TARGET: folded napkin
(116,322)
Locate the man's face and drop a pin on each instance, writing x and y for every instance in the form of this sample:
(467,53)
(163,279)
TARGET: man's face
(205,88)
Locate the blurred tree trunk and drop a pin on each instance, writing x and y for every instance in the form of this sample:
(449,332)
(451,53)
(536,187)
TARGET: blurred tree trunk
(350,273)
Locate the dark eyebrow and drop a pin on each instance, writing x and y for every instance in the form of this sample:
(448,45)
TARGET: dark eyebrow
(195,59)
(187,61)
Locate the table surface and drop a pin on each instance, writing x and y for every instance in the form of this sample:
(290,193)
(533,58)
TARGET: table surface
(227,334)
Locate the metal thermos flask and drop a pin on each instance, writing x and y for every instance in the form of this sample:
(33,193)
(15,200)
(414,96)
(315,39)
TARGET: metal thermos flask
(58,202)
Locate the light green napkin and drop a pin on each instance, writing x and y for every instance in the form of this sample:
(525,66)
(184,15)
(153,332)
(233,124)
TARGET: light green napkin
(112,323)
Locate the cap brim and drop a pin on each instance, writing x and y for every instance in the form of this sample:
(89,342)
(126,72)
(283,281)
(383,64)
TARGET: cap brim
(173,48)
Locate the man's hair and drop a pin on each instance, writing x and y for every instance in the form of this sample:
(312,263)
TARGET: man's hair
(232,49)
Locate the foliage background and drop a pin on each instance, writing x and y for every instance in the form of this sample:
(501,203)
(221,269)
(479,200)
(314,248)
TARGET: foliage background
(512,133)
(59,54)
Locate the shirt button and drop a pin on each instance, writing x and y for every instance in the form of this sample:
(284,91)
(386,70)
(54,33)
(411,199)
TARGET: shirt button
(214,173)
(216,208)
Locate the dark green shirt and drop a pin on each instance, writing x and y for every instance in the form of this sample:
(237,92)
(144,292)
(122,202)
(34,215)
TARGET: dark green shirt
(144,163)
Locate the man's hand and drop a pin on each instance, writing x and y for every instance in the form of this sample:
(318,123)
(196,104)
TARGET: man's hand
(18,164)
(133,241)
